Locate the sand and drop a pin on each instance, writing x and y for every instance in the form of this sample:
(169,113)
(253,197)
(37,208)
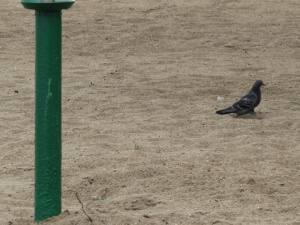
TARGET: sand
(141,81)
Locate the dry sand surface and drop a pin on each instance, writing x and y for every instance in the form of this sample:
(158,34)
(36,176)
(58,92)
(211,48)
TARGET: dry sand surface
(150,72)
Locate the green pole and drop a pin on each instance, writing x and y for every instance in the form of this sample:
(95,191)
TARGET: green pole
(47,106)
(48,115)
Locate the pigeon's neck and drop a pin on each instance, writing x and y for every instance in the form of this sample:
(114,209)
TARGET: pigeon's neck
(256,91)
(255,88)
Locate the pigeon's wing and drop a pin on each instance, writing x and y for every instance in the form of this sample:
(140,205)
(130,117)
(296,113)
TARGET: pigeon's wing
(247,102)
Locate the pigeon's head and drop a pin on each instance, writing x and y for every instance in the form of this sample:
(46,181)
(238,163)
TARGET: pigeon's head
(258,84)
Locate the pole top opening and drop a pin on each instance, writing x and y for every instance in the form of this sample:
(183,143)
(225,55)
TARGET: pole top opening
(47,5)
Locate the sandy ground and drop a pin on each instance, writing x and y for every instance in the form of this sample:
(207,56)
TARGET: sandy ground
(150,72)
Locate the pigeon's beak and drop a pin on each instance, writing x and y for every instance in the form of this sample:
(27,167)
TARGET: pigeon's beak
(263,84)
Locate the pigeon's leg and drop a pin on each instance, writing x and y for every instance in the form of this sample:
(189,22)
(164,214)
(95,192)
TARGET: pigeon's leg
(253,113)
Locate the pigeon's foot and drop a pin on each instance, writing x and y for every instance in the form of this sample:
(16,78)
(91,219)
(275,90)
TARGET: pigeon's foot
(234,115)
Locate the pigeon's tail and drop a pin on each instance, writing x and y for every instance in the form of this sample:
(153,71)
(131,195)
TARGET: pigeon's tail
(226,111)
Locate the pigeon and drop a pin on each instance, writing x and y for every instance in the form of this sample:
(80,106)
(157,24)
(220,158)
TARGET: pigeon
(247,103)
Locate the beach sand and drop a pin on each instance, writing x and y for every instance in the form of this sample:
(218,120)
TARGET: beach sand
(141,83)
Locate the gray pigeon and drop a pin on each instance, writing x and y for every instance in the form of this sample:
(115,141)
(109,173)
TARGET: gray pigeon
(247,103)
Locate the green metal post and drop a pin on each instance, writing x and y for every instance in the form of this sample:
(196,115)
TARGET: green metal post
(47,106)
(48,115)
